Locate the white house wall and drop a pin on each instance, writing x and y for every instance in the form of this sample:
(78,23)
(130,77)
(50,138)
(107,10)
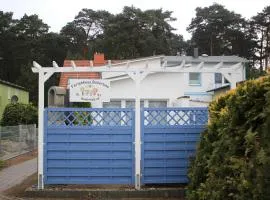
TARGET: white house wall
(154,86)
(169,86)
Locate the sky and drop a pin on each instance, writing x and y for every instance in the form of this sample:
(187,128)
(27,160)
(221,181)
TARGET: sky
(57,13)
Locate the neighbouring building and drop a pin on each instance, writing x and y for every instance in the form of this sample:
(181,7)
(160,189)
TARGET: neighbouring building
(10,92)
(211,75)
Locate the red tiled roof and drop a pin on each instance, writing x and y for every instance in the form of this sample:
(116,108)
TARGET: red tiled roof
(77,75)
(98,61)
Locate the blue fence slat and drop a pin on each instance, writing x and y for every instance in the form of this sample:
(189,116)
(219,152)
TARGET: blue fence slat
(88,180)
(169,137)
(165,179)
(88,146)
(89,163)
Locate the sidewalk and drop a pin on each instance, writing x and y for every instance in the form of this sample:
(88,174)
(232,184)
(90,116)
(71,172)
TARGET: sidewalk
(15,174)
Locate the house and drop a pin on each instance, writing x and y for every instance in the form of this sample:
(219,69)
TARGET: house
(179,89)
(193,85)
(11,93)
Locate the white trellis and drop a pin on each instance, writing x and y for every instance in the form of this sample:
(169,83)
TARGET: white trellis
(137,74)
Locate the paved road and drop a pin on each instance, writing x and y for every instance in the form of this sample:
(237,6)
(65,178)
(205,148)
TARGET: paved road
(15,174)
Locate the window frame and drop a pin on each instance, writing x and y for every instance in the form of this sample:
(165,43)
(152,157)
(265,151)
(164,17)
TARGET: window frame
(200,79)
(111,104)
(14,99)
(221,80)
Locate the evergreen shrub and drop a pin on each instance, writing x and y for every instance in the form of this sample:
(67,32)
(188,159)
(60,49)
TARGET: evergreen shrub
(19,113)
(233,155)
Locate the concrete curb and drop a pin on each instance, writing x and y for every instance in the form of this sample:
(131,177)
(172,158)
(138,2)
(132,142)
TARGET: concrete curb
(108,194)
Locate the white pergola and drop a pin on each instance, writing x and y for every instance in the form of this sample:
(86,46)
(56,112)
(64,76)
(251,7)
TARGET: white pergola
(137,74)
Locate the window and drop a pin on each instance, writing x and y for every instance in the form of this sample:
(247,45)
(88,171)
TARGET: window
(14,99)
(157,104)
(157,117)
(131,104)
(194,78)
(112,104)
(218,78)
(111,118)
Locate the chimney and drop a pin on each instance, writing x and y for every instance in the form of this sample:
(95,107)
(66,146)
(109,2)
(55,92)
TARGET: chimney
(196,53)
(99,59)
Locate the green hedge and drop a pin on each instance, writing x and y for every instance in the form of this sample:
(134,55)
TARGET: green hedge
(233,156)
(19,113)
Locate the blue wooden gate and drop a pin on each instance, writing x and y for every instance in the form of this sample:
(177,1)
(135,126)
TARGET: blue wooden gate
(89,146)
(96,146)
(169,137)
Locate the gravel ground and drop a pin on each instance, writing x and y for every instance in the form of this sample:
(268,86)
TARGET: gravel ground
(17,193)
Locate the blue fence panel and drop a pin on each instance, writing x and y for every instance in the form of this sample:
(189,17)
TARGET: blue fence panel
(89,146)
(169,137)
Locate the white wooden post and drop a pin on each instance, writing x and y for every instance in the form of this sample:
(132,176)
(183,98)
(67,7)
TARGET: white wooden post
(137,77)
(137,134)
(40,129)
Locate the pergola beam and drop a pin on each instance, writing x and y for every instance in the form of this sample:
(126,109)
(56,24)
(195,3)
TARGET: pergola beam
(236,66)
(109,63)
(73,65)
(47,75)
(36,67)
(121,69)
(55,65)
(200,66)
(218,66)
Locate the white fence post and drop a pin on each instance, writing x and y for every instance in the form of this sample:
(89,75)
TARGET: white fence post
(40,129)
(137,136)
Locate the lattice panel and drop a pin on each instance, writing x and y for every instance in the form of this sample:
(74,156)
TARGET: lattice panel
(174,117)
(87,117)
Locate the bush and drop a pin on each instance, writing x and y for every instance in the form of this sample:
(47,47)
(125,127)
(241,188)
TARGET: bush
(81,117)
(19,113)
(81,105)
(233,155)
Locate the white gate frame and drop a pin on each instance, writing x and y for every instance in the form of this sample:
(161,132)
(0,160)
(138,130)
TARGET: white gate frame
(137,75)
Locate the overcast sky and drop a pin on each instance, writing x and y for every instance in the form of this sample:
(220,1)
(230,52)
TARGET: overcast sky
(56,13)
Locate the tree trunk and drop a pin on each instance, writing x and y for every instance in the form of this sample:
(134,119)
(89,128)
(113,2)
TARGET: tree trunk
(267,48)
(261,52)
(211,45)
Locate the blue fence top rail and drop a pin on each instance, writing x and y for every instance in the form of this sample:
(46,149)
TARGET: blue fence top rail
(88,109)
(177,108)
(124,109)
(173,117)
(85,117)
(104,117)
